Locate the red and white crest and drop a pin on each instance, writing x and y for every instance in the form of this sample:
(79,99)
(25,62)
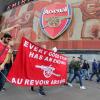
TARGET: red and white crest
(55,19)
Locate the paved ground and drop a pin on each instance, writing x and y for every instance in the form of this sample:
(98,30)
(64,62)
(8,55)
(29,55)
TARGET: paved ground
(53,93)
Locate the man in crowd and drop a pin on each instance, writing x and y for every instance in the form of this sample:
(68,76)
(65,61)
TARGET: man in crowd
(41,89)
(77,67)
(94,70)
(71,69)
(4,56)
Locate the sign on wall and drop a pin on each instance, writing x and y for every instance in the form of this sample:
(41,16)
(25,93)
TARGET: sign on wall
(17,3)
(55,19)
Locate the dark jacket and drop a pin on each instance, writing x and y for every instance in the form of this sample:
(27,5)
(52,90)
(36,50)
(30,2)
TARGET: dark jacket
(94,67)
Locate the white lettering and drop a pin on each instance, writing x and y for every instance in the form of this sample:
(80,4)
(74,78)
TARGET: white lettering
(31,82)
(52,54)
(31,46)
(55,82)
(61,10)
(35,56)
(27,82)
(41,82)
(37,82)
(35,49)
(54,60)
(48,59)
(26,43)
(18,81)
(13,80)
(31,54)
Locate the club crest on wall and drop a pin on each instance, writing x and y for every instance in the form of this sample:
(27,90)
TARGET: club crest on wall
(55,19)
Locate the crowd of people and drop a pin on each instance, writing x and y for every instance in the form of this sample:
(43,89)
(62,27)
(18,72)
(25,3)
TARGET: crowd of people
(79,69)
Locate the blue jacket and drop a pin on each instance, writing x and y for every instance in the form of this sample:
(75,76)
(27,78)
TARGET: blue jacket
(94,66)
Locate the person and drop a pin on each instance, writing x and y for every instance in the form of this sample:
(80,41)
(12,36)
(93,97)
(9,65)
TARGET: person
(4,56)
(41,89)
(71,69)
(88,69)
(84,70)
(94,70)
(77,67)
(98,71)
(99,67)
(10,56)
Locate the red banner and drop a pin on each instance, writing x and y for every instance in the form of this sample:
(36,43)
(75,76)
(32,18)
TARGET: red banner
(35,66)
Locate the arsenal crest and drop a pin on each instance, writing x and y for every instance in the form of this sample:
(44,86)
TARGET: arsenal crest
(55,19)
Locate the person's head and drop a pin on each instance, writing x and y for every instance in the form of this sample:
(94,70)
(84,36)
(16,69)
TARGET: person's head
(6,38)
(73,58)
(78,59)
(94,60)
(85,61)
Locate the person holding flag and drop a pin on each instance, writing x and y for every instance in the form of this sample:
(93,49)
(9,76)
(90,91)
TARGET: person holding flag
(4,57)
(41,89)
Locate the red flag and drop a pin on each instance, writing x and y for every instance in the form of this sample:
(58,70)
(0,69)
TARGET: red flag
(35,66)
